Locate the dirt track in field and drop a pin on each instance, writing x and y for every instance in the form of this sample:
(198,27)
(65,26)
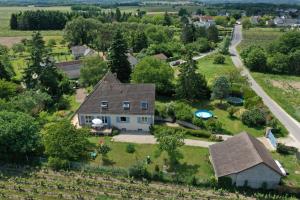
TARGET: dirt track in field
(10,41)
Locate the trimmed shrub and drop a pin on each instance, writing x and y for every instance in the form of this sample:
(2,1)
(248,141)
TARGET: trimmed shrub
(196,133)
(254,118)
(219,59)
(214,125)
(138,171)
(198,122)
(57,163)
(286,150)
(225,182)
(183,112)
(215,138)
(253,102)
(130,148)
(232,110)
(115,132)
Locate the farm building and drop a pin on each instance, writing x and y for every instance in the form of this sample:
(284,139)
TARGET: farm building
(82,51)
(128,107)
(71,68)
(246,161)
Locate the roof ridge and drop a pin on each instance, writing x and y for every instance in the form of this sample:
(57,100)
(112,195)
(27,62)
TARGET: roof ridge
(254,147)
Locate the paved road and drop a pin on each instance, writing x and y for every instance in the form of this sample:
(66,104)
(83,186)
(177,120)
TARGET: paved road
(290,123)
(150,139)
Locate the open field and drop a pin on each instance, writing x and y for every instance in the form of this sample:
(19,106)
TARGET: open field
(283,89)
(259,36)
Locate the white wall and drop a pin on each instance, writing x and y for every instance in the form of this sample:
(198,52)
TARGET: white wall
(256,176)
(133,124)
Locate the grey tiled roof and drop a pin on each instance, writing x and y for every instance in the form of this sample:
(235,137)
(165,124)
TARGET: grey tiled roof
(239,153)
(110,89)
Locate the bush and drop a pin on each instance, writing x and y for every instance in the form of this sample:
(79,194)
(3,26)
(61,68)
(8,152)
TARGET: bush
(232,110)
(130,148)
(138,171)
(198,122)
(286,150)
(254,118)
(115,132)
(225,182)
(253,102)
(183,112)
(197,133)
(214,126)
(219,59)
(57,163)
(215,138)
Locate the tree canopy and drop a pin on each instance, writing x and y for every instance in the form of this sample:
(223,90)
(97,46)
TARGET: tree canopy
(152,70)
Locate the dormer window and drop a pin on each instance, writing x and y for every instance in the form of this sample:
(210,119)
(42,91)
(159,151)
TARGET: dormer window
(126,105)
(104,104)
(144,105)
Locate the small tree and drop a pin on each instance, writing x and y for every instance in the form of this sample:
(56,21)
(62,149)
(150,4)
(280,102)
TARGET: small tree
(221,88)
(104,149)
(246,23)
(130,148)
(219,59)
(213,33)
(94,68)
(169,141)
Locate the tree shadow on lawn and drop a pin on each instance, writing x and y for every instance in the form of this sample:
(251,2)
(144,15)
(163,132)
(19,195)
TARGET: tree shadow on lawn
(107,162)
(184,170)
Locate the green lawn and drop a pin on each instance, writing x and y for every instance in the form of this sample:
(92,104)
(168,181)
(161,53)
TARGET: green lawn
(292,166)
(5,13)
(195,159)
(211,70)
(259,36)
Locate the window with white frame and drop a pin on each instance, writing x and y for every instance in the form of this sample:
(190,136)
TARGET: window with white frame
(126,105)
(104,104)
(88,119)
(144,105)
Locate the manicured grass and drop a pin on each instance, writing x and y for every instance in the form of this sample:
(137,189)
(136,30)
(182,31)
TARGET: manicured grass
(292,166)
(195,159)
(211,70)
(287,97)
(259,36)
(5,17)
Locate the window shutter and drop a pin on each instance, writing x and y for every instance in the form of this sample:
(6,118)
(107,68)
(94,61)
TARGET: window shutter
(139,120)
(128,119)
(150,120)
(118,119)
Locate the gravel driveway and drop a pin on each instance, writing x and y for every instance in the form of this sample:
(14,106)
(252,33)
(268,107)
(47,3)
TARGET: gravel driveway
(140,138)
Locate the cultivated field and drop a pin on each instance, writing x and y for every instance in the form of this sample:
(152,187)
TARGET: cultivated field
(259,36)
(5,13)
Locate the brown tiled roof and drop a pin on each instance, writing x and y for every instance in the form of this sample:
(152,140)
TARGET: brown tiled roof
(110,89)
(239,153)
(161,56)
(71,68)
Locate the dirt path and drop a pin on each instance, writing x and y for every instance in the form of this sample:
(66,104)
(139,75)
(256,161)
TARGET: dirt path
(10,41)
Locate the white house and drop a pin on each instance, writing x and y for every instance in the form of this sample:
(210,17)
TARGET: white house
(246,161)
(203,21)
(126,106)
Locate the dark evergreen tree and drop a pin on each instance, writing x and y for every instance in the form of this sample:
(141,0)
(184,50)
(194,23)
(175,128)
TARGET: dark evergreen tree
(4,74)
(188,34)
(167,19)
(213,33)
(118,15)
(37,52)
(13,22)
(191,85)
(118,61)
(140,41)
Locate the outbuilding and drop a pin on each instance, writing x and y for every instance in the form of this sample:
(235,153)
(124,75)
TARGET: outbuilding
(245,160)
